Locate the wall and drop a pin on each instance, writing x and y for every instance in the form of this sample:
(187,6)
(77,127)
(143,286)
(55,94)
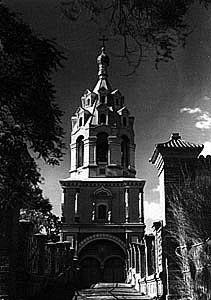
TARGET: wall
(40,263)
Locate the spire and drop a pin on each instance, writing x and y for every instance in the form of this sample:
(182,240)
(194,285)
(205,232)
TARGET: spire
(103,63)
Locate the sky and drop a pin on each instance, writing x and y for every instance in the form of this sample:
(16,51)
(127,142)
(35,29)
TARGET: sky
(174,98)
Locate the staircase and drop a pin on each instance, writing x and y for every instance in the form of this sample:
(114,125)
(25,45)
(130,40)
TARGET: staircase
(110,291)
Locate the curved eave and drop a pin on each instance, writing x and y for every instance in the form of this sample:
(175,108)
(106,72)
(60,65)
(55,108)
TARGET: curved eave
(176,147)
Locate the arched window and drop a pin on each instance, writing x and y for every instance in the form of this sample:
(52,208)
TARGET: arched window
(102,147)
(125,151)
(124,121)
(102,119)
(102,99)
(80,151)
(80,121)
(102,212)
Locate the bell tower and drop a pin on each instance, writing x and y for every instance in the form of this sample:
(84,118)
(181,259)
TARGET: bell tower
(102,199)
(102,137)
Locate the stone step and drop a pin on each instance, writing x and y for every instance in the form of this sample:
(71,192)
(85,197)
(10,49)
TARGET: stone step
(110,291)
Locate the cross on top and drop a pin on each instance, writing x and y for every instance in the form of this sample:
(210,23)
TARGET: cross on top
(103,39)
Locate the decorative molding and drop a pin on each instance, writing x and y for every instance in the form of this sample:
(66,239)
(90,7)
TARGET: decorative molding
(102,236)
(102,190)
(84,183)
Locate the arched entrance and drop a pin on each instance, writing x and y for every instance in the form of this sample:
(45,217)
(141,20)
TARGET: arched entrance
(114,270)
(101,261)
(89,271)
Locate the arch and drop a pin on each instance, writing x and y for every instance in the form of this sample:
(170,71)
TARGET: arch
(102,191)
(125,151)
(113,256)
(90,256)
(102,236)
(80,151)
(102,147)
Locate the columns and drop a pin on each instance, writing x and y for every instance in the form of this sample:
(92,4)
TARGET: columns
(73,156)
(109,216)
(75,258)
(86,151)
(138,258)
(93,211)
(62,205)
(77,217)
(127,204)
(134,258)
(92,150)
(146,258)
(141,206)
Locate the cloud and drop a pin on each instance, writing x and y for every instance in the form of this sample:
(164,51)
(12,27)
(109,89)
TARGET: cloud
(204,121)
(152,210)
(202,117)
(191,110)
(207,149)
(206,98)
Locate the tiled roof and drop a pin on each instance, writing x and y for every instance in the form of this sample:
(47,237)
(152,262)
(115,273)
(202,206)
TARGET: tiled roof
(177,142)
(102,83)
(176,145)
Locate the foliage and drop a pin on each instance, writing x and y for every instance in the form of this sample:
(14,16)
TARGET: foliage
(159,25)
(19,177)
(190,210)
(26,64)
(189,229)
(43,219)
(29,118)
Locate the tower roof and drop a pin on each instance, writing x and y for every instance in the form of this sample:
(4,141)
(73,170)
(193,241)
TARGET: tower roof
(103,63)
(176,145)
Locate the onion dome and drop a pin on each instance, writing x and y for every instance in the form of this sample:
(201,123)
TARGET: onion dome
(103,63)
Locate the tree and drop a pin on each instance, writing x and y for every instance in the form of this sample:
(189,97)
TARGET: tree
(29,118)
(30,126)
(42,218)
(189,229)
(142,25)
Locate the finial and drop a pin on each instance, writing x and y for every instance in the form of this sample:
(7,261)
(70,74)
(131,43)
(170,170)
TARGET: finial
(175,136)
(103,60)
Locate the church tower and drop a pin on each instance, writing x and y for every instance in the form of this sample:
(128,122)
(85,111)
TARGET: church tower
(102,199)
